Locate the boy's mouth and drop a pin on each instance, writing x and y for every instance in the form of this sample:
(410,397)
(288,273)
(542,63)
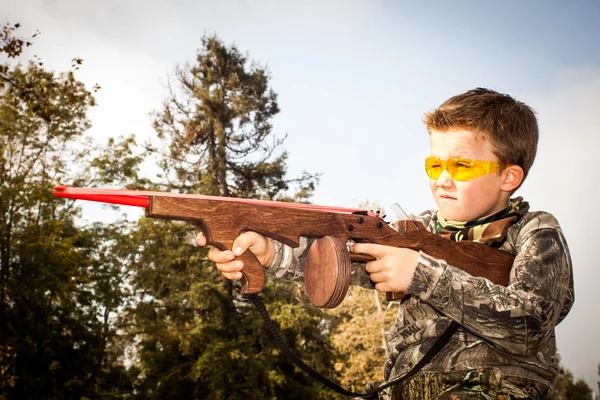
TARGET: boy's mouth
(447,197)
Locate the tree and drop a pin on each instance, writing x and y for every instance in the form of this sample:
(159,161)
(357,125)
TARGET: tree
(195,339)
(58,291)
(567,388)
(217,125)
(358,331)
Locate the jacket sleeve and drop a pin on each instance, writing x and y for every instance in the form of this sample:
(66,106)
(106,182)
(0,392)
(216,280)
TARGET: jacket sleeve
(519,318)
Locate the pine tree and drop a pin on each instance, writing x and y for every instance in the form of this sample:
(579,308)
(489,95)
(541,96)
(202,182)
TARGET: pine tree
(197,340)
(217,132)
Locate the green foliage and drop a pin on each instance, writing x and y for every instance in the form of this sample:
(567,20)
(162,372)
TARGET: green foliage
(197,337)
(8,378)
(58,291)
(50,316)
(358,333)
(567,388)
(216,128)
(10,44)
(195,341)
(137,311)
(118,163)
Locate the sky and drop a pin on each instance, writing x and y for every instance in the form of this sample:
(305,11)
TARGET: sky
(354,79)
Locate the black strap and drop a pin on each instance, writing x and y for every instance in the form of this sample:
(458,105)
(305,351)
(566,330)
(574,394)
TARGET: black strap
(437,346)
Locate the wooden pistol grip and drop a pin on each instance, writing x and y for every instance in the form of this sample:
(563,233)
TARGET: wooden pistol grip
(220,229)
(402,227)
(364,258)
(393,296)
(253,273)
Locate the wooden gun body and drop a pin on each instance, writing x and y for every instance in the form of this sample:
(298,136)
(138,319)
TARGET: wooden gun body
(222,222)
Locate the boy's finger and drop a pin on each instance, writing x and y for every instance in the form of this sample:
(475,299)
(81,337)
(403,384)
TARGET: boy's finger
(229,267)
(373,267)
(383,287)
(219,256)
(379,277)
(233,276)
(243,242)
(201,239)
(371,249)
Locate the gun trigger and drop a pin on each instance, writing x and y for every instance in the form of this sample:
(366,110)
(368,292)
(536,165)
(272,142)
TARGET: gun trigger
(349,244)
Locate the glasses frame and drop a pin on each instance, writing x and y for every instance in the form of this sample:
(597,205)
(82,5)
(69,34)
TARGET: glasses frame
(475,168)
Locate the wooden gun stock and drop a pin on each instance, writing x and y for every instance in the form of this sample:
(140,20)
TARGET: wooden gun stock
(327,275)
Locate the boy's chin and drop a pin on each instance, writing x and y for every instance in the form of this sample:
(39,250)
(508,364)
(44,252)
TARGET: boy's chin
(452,214)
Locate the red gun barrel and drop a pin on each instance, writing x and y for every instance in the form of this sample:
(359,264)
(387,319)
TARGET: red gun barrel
(103,196)
(141,198)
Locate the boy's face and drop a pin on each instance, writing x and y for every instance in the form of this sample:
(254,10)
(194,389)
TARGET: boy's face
(466,200)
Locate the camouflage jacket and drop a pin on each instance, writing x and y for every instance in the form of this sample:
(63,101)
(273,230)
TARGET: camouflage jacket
(506,333)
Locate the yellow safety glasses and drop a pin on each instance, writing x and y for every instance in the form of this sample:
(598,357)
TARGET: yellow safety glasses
(461,169)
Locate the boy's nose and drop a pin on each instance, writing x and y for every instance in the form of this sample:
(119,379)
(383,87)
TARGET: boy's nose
(444,180)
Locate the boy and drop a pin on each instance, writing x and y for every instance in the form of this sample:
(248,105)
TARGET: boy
(482,145)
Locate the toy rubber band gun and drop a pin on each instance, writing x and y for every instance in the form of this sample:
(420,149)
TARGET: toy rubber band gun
(328,264)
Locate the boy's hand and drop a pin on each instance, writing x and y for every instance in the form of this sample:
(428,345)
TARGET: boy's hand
(260,246)
(394,268)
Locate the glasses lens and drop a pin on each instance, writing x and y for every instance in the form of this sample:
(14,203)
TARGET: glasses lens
(462,169)
(434,167)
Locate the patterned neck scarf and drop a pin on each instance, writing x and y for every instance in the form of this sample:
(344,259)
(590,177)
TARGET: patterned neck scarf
(489,230)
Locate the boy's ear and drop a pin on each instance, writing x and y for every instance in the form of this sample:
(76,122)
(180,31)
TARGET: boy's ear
(513,176)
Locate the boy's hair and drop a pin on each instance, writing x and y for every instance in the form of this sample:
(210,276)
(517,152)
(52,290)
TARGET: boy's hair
(509,125)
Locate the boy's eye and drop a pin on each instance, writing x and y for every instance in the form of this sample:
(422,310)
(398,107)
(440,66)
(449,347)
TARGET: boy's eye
(433,163)
(464,164)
